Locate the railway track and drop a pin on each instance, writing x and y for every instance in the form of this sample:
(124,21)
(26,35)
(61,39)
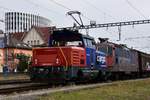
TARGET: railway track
(14,78)
(26,85)
(5,82)
(34,94)
(16,88)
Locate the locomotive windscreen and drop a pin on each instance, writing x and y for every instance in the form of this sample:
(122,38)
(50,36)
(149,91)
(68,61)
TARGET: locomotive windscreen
(65,37)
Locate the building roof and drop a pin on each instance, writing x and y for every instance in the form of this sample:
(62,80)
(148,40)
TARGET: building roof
(44,32)
(15,40)
(18,35)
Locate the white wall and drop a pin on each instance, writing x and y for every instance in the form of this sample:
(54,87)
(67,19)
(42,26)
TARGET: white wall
(33,37)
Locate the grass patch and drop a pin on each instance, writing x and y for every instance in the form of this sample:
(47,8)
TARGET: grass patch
(135,90)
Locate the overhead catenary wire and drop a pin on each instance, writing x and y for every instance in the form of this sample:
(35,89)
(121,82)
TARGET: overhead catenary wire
(141,48)
(67,8)
(136,9)
(104,13)
(89,3)
(142,37)
(98,9)
(7,9)
(2,21)
(59,4)
(141,31)
(43,7)
(139,35)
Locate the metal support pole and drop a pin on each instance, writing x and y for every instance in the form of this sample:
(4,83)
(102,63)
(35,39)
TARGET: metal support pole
(87,31)
(119,30)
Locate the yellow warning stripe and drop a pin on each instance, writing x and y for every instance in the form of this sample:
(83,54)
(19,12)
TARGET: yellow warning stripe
(64,56)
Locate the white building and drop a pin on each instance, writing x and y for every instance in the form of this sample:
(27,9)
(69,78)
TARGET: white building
(20,22)
(35,37)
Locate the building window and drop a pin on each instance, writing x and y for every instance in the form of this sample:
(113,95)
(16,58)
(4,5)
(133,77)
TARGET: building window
(38,42)
(31,42)
(34,42)
(28,42)
(17,22)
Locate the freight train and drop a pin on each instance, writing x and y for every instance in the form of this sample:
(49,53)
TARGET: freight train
(72,56)
(124,62)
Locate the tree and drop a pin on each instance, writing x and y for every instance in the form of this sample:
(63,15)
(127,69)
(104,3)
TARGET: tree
(23,62)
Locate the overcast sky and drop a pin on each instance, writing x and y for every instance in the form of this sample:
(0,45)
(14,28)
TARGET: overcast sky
(102,11)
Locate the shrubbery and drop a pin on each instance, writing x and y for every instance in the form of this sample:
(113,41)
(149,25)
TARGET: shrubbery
(23,62)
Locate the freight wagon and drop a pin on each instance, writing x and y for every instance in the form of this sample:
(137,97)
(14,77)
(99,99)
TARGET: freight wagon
(144,63)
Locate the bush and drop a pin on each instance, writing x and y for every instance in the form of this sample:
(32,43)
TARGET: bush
(22,66)
(23,62)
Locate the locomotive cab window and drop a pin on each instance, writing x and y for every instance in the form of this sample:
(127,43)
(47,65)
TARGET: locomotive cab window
(103,49)
(106,49)
(66,38)
(89,42)
(109,50)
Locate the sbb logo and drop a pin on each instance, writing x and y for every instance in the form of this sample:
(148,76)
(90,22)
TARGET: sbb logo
(101,59)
